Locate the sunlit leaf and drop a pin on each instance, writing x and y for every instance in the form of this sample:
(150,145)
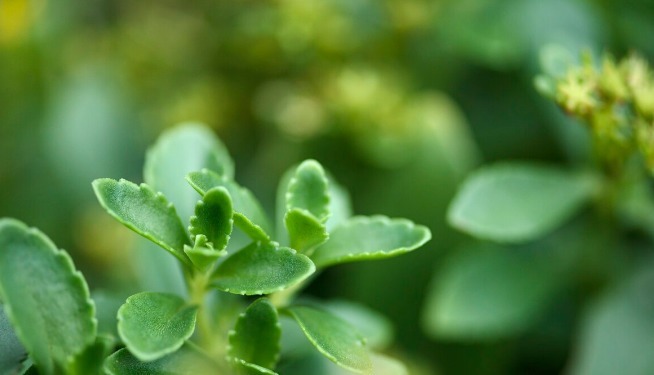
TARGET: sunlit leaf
(145,212)
(213,217)
(248,214)
(155,324)
(376,237)
(262,268)
(45,298)
(255,338)
(333,337)
(518,202)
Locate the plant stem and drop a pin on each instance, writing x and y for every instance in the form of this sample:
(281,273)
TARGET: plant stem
(197,285)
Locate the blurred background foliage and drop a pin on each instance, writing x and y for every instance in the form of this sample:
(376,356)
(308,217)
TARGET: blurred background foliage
(399,99)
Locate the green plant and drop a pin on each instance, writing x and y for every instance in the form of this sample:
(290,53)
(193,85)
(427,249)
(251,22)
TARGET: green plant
(228,249)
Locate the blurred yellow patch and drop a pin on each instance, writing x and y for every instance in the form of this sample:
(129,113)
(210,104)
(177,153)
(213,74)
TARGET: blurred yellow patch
(16,17)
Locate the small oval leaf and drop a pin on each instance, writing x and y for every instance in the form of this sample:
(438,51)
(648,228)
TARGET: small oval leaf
(375,237)
(333,337)
(155,324)
(262,268)
(185,148)
(308,190)
(213,217)
(248,214)
(256,336)
(45,298)
(145,212)
(304,230)
(518,202)
(186,361)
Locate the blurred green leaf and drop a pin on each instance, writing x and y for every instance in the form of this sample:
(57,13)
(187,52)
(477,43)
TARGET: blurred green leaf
(45,298)
(255,338)
(261,268)
(155,324)
(145,212)
(187,360)
(333,337)
(248,214)
(340,207)
(245,368)
(367,238)
(373,326)
(488,293)
(518,202)
(183,149)
(616,333)
(89,361)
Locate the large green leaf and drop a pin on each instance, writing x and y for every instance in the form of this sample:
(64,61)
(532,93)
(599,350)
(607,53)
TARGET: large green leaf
(307,206)
(518,202)
(12,352)
(256,336)
(376,328)
(183,149)
(248,214)
(488,293)
(615,334)
(375,237)
(340,208)
(186,361)
(155,324)
(333,337)
(262,268)
(145,212)
(213,217)
(45,298)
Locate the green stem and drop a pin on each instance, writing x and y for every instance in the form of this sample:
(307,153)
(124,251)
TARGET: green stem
(197,285)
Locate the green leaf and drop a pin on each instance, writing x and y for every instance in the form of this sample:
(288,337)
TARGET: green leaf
(46,299)
(262,268)
(307,206)
(155,324)
(518,202)
(308,190)
(489,293)
(183,149)
(248,214)
(256,336)
(340,208)
(202,254)
(213,217)
(186,361)
(333,337)
(245,368)
(89,361)
(145,212)
(12,352)
(305,231)
(615,336)
(375,237)
(376,328)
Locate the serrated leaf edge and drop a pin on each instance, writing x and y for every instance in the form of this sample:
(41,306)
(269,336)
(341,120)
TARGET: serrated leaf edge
(75,276)
(178,253)
(380,254)
(194,219)
(158,354)
(292,187)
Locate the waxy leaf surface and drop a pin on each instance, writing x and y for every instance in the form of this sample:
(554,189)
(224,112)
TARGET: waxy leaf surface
(376,328)
(304,230)
(248,214)
(185,361)
(45,298)
(333,337)
(12,352)
(213,218)
(245,368)
(375,237)
(145,212)
(518,202)
(256,336)
(262,268)
(154,324)
(183,149)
